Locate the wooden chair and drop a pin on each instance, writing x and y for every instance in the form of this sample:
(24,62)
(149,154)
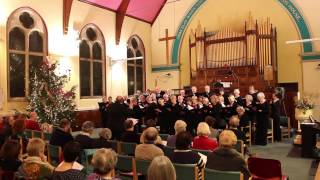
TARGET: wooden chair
(248,132)
(28,133)
(270,135)
(127,148)
(186,171)
(47,136)
(239,146)
(86,157)
(285,126)
(54,154)
(37,134)
(204,152)
(125,166)
(209,174)
(140,167)
(265,169)
(164,137)
(115,145)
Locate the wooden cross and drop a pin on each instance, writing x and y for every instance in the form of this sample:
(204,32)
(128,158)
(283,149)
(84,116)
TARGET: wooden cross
(167,39)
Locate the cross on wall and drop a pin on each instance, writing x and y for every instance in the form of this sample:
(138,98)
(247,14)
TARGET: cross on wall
(167,38)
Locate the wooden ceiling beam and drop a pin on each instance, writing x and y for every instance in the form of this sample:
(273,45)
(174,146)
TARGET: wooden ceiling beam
(120,14)
(67,4)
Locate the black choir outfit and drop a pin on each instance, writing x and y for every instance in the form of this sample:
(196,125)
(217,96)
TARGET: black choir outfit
(262,122)
(275,115)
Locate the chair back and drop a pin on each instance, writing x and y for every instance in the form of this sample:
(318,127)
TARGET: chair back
(239,147)
(28,133)
(114,145)
(47,136)
(164,137)
(141,167)
(210,174)
(168,151)
(204,152)
(54,154)
(264,168)
(127,148)
(86,157)
(37,134)
(186,171)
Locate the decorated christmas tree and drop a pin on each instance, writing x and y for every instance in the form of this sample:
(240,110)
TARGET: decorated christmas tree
(47,96)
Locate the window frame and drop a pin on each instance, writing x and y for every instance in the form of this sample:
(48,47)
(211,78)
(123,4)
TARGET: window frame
(12,22)
(141,48)
(101,42)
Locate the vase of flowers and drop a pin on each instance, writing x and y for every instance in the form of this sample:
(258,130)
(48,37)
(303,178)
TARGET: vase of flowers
(304,108)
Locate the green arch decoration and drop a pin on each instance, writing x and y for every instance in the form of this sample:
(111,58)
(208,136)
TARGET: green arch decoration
(291,8)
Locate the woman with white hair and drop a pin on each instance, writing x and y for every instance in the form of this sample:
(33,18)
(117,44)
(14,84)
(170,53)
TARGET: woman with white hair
(202,141)
(179,126)
(84,138)
(262,117)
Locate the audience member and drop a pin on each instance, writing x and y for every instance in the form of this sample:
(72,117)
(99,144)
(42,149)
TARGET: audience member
(36,160)
(179,126)
(148,150)
(161,168)
(234,125)
(202,141)
(244,118)
(214,133)
(103,141)
(6,130)
(62,135)
(84,137)
(32,122)
(130,135)
(103,162)
(18,132)
(69,168)
(225,158)
(9,156)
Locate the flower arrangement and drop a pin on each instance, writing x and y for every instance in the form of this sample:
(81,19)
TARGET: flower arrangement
(305,104)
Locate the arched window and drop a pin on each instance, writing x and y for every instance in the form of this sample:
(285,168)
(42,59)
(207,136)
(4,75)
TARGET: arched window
(26,48)
(136,72)
(92,62)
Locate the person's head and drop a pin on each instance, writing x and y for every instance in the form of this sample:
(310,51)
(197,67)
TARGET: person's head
(234,121)
(119,99)
(203,129)
(161,168)
(161,102)
(65,125)
(207,88)
(104,99)
(227,139)
(105,133)
(128,125)
(157,90)
(133,101)
(205,101)
(10,149)
(151,123)
(240,110)
(276,96)
(210,121)
(180,99)
(18,126)
(193,89)
(142,98)
(87,127)
(149,99)
(221,91)
(36,147)
(236,92)
(248,98)
(110,99)
(11,120)
(173,99)
(150,135)
(231,98)
(221,99)
(183,140)
(251,89)
(71,151)
(180,126)
(33,116)
(182,92)
(261,97)
(165,97)
(104,161)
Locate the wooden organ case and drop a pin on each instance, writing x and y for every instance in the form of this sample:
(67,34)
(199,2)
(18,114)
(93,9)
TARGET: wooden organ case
(238,58)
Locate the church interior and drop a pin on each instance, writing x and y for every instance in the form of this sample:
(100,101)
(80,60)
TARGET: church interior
(152,67)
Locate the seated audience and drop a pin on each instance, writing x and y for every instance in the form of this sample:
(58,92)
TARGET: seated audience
(202,141)
(84,137)
(6,130)
(161,168)
(69,168)
(148,150)
(183,154)
(36,160)
(214,133)
(103,162)
(18,132)
(32,122)
(233,126)
(9,156)
(179,126)
(225,158)
(130,135)
(103,141)
(244,118)
(62,135)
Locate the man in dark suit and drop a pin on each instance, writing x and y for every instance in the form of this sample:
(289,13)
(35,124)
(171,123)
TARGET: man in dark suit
(103,111)
(207,92)
(194,91)
(61,135)
(117,114)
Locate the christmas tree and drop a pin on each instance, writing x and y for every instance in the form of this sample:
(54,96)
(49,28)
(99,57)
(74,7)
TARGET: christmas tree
(47,97)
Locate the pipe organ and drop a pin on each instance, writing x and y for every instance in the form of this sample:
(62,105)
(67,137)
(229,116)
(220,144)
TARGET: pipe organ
(242,58)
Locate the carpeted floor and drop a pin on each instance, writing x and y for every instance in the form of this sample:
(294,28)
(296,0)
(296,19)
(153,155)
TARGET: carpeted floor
(293,165)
